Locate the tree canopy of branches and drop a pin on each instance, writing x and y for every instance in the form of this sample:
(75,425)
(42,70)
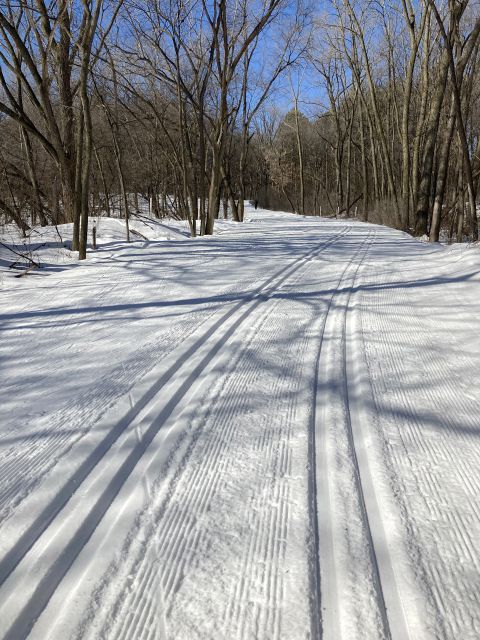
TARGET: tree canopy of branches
(353,107)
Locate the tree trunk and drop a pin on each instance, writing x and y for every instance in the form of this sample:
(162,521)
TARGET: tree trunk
(433,119)
(443,157)
(300,160)
(364,166)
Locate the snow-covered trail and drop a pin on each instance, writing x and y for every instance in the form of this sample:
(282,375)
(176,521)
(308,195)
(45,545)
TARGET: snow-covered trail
(272,433)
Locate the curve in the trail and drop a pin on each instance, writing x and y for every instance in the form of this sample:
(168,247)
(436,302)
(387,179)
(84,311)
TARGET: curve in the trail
(223,327)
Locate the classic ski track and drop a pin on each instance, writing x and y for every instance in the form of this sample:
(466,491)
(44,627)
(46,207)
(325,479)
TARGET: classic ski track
(314,543)
(18,467)
(95,301)
(14,464)
(194,482)
(325,543)
(391,605)
(179,537)
(100,294)
(322,570)
(97,297)
(459,538)
(35,533)
(264,538)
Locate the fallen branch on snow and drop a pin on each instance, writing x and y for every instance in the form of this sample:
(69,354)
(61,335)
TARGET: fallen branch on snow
(22,256)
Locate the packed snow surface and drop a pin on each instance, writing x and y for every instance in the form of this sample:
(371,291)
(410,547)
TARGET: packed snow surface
(269,433)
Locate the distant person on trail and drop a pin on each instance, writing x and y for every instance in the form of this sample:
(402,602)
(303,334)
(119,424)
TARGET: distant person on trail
(255,204)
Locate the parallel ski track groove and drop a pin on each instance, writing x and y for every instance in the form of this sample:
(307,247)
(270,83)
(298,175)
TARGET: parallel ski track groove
(47,585)
(373,554)
(317,622)
(177,528)
(18,467)
(314,565)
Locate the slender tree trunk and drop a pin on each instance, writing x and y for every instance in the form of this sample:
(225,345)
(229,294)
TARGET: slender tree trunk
(121,181)
(85,188)
(460,216)
(377,117)
(214,191)
(364,166)
(106,194)
(433,119)
(202,168)
(414,43)
(420,125)
(456,72)
(37,208)
(300,159)
(77,190)
(442,173)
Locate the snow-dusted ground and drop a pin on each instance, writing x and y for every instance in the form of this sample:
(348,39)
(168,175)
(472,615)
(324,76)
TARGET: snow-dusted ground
(270,433)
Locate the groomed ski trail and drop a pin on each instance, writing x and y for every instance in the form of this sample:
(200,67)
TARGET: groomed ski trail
(96,485)
(290,452)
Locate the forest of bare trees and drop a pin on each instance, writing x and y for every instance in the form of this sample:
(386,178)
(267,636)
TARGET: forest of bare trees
(362,108)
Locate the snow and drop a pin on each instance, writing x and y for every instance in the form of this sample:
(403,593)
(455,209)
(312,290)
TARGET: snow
(49,247)
(267,433)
